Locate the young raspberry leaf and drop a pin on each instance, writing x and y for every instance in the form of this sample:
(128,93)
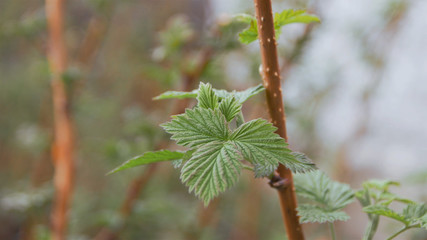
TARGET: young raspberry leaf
(150,157)
(386,212)
(206,97)
(212,169)
(241,96)
(414,211)
(244,18)
(197,127)
(380,185)
(250,34)
(301,157)
(318,187)
(293,16)
(312,213)
(280,19)
(328,197)
(177,95)
(230,107)
(265,149)
(423,221)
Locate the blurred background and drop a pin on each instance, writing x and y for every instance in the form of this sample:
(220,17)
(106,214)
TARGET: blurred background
(355,92)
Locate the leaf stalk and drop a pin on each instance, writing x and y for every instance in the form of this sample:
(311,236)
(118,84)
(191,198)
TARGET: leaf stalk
(332,230)
(402,230)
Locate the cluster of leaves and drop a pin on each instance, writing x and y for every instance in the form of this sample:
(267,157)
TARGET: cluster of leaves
(327,198)
(30,25)
(376,198)
(220,144)
(172,56)
(287,16)
(181,48)
(173,39)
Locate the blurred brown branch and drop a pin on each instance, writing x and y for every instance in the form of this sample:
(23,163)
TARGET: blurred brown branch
(63,145)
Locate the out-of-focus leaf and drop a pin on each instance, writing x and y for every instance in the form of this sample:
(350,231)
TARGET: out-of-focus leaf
(176,94)
(319,188)
(412,212)
(149,157)
(287,16)
(244,18)
(381,185)
(312,213)
(250,34)
(385,211)
(293,16)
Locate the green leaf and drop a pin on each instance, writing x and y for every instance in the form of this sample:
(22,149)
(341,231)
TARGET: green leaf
(414,211)
(280,19)
(197,127)
(318,187)
(423,221)
(312,213)
(363,197)
(240,96)
(206,97)
(221,93)
(244,18)
(301,157)
(149,157)
(177,163)
(243,96)
(215,164)
(388,197)
(259,145)
(381,185)
(385,211)
(176,94)
(213,168)
(250,34)
(216,153)
(187,155)
(293,16)
(230,107)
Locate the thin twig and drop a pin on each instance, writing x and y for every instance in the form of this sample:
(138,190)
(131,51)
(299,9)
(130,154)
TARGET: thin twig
(63,145)
(398,232)
(332,230)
